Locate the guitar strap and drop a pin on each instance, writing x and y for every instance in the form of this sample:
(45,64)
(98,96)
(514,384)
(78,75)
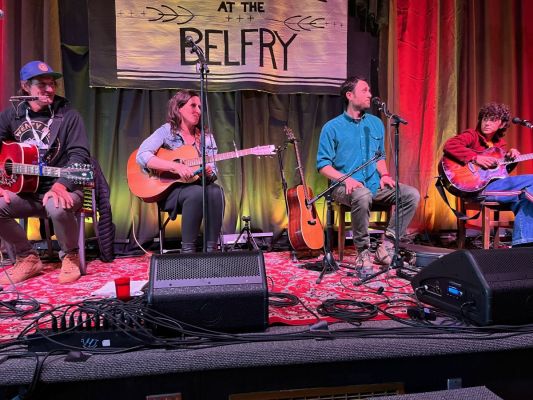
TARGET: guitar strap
(441,189)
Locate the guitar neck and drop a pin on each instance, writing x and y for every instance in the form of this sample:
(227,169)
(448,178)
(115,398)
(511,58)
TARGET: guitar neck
(218,157)
(521,157)
(30,169)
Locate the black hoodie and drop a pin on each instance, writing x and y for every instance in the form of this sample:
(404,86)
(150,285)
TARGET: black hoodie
(67,139)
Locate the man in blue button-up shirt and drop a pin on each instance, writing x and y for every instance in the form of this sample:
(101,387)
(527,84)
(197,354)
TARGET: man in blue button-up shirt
(347,142)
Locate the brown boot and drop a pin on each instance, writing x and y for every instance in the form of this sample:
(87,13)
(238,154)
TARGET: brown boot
(24,268)
(70,268)
(384,253)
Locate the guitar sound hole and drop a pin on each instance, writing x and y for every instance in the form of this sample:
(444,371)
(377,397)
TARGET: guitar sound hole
(8,167)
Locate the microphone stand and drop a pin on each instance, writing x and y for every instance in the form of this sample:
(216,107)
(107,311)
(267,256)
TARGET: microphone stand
(328,262)
(202,68)
(397,260)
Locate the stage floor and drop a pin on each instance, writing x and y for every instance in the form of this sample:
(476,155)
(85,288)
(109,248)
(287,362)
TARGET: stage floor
(301,348)
(292,285)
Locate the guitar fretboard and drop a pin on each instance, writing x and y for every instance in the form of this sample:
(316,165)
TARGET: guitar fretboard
(29,169)
(218,157)
(521,157)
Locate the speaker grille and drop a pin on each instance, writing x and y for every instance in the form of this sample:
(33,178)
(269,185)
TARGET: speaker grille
(504,264)
(207,269)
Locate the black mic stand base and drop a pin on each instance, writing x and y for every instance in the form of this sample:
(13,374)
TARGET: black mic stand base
(326,265)
(396,263)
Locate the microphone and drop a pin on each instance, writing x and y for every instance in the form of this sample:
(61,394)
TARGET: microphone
(378,102)
(23,98)
(523,122)
(189,42)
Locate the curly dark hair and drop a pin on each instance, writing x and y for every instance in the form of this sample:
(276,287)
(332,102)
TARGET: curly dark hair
(498,111)
(348,85)
(174,104)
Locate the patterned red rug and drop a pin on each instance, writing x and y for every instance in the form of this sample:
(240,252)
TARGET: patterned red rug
(284,277)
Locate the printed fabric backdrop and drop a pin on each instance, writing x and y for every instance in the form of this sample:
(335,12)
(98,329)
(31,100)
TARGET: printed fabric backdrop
(266,45)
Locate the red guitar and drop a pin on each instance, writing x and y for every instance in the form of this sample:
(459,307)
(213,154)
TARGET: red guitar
(19,169)
(151,186)
(305,229)
(470,179)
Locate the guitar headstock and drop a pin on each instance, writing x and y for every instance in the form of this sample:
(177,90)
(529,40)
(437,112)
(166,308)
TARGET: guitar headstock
(78,173)
(267,150)
(290,134)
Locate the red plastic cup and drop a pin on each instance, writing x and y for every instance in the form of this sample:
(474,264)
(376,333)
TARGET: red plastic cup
(122,286)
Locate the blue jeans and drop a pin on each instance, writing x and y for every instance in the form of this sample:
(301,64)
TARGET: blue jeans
(517,191)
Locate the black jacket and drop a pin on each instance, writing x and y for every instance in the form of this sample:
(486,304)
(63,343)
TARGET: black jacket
(105,228)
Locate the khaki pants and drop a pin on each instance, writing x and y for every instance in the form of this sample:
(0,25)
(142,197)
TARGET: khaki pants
(26,205)
(360,202)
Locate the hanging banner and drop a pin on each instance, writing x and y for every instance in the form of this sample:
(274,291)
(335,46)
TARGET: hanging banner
(273,45)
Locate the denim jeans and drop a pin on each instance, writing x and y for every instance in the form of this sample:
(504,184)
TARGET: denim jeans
(517,191)
(360,202)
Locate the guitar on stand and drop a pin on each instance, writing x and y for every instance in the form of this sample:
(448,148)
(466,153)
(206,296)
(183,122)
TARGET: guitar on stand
(305,229)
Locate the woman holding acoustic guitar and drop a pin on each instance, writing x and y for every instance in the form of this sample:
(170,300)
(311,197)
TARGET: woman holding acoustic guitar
(181,135)
(476,161)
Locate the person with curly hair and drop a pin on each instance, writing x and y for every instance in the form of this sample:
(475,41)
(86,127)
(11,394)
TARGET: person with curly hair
(472,145)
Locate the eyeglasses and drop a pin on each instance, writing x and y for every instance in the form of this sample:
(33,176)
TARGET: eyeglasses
(43,85)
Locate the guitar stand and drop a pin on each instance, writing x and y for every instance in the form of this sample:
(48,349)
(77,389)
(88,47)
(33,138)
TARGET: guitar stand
(250,241)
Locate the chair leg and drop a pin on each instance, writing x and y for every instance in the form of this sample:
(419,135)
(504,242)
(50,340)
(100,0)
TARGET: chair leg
(496,219)
(48,238)
(485,226)
(161,231)
(81,243)
(461,233)
(221,242)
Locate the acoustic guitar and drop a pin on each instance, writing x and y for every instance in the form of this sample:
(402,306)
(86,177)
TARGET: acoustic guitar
(151,185)
(20,169)
(305,229)
(470,179)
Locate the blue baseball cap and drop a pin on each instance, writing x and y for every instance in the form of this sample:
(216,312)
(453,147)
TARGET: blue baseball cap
(34,69)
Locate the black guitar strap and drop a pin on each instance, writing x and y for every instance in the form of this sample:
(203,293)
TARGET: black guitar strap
(441,189)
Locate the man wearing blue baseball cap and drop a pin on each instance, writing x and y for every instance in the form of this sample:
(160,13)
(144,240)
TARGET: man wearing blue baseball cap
(58,139)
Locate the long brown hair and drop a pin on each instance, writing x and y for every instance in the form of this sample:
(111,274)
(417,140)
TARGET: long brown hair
(174,105)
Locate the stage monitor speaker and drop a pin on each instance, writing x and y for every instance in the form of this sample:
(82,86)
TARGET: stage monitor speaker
(224,292)
(486,287)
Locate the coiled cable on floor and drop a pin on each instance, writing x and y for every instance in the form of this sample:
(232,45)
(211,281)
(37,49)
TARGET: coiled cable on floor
(348,310)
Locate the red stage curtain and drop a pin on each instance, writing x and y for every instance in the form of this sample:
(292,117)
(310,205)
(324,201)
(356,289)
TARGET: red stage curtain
(445,60)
